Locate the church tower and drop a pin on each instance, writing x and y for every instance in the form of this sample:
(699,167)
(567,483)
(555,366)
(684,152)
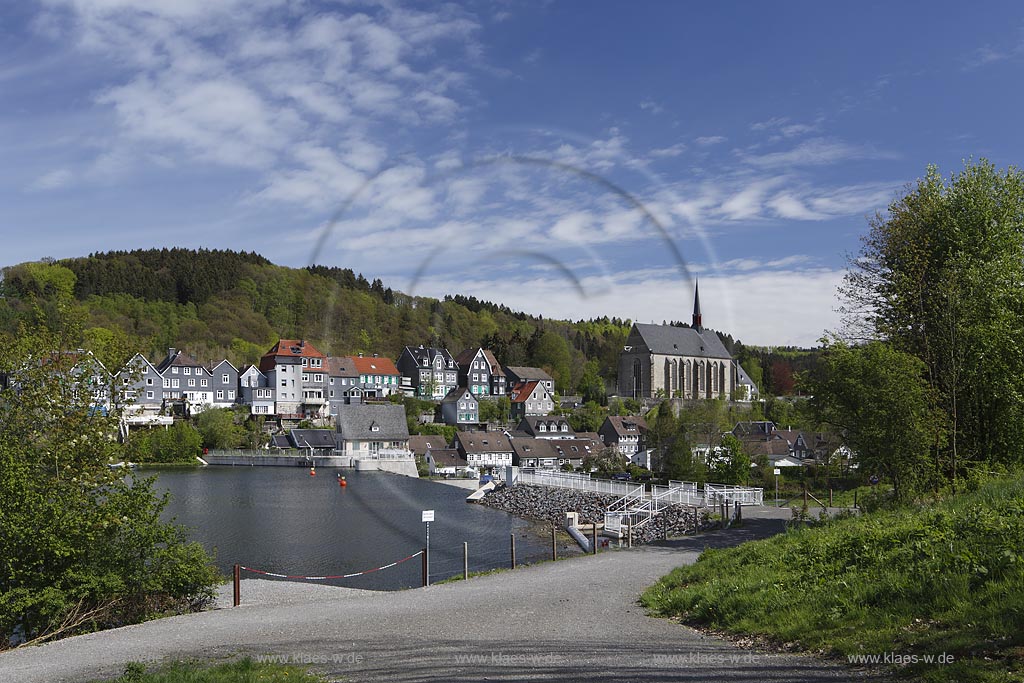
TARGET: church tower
(696,324)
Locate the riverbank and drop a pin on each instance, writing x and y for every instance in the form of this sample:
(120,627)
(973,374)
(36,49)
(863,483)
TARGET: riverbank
(537,625)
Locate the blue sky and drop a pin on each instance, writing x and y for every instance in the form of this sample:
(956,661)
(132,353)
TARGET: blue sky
(570,159)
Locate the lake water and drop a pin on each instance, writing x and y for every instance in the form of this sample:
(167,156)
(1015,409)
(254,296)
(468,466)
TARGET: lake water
(282,520)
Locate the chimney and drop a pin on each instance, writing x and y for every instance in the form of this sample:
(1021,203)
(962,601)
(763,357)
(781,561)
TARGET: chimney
(360,354)
(171,351)
(375,355)
(302,343)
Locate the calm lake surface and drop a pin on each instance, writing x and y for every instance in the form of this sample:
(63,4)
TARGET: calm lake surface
(282,520)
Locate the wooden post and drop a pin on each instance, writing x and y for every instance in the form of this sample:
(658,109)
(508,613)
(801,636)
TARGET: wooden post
(465,559)
(805,495)
(424,567)
(593,539)
(238,585)
(512,539)
(830,497)
(855,499)
(554,545)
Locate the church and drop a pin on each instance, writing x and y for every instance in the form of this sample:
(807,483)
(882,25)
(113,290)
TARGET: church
(677,362)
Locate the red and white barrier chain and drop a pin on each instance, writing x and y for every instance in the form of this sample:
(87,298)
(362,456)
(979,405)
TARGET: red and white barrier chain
(323,578)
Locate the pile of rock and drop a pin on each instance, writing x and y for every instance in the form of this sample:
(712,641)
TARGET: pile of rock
(550,504)
(675,520)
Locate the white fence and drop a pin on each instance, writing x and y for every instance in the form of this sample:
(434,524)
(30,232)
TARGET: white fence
(571,480)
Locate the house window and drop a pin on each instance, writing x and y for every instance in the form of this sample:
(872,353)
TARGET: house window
(224,378)
(125,381)
(174,383)
(231,394)
(220,394)
(318,378)
(191,381)
(167,384)
(305,362)
(174,371)
(204,382)
(186,370)
(284,382)
(149,394)
(149,381)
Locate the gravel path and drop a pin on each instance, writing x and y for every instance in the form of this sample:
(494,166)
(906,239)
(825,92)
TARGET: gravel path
(574,620)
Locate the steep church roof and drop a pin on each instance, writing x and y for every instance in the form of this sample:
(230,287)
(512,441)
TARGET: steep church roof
(681,341)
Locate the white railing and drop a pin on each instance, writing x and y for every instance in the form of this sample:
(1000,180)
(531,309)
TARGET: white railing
(387,454)
(570,480)
(744,495)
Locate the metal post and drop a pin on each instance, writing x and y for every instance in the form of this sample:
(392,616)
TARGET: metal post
(554,545)
(465,559)
(830,497)
(805,495)
(629,534)
(238,585)
(512,541)
(593,539)
(426,559)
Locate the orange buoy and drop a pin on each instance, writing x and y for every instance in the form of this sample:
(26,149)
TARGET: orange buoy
(342,482)
(312,471)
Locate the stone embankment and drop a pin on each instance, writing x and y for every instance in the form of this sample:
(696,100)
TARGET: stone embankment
(551,504)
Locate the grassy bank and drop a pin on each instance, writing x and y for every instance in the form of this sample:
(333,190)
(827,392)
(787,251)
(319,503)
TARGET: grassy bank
(943,580)
(243,671)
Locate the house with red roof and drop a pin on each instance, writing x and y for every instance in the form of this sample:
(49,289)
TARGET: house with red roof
(377,376)
(530,398)
(298,373)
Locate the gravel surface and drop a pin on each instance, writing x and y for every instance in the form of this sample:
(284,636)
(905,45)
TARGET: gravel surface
(573,620)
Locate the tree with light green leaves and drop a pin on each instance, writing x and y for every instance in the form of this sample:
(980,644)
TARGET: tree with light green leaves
(878,399)
(83,545)
(940,277)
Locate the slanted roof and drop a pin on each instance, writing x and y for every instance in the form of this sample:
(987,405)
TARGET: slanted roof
(573,448)
(420,443)
(628,425)
(530,447)
(447,457)
(495,366)
(373,365)
(313,438)
(358,422)
(280,441)
(482,442)
(524,390)
(756,430)
(529,424)
(178,359)
(681,341)
(457,394)
(288,348)
(466,357)
(341,366)
(527,372)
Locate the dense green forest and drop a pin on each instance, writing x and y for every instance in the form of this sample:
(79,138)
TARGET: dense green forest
(235,305)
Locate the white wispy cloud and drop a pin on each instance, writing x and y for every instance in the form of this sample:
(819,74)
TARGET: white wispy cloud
(708,140)
(815,152)
(52,180)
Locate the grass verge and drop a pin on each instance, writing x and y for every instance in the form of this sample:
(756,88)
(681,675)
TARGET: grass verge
(242,671)
(943,580)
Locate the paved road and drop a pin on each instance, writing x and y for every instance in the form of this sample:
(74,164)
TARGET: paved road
(574,620)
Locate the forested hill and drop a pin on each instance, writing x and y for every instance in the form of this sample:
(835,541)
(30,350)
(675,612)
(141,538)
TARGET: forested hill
(224,304)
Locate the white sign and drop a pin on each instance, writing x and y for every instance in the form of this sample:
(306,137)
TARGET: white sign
(777,471)
(428,516)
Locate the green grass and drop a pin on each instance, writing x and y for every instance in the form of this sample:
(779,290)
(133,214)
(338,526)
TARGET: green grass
(242,671)
(947,578)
